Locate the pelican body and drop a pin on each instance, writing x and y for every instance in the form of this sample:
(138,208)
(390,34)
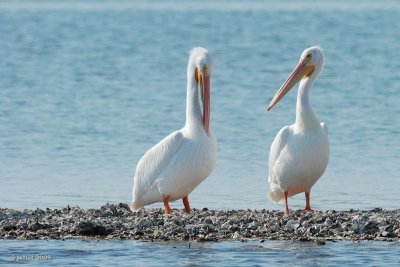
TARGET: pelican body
(181,161)
(300,152)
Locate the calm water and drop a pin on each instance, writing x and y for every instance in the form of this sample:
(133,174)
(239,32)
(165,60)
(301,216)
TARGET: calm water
(233,253)
(87,88)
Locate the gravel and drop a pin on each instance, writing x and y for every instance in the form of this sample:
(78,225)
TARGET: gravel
(118,222)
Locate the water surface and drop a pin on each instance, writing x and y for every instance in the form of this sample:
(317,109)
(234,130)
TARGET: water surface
(232,253)
(87,87)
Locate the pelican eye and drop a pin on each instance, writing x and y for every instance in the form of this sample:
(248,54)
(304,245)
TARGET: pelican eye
(308,58)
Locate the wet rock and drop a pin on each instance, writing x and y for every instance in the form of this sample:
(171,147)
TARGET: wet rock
(292,225)
(36,226)
(208,221)
(371,228)
(387,234)
(234,228)
(144,223)
(91,229)
(305,224)
(313,230)
(201,238)
(9,227)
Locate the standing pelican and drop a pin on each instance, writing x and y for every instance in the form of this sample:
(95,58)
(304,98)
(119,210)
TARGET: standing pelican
(299,153)
(171,169)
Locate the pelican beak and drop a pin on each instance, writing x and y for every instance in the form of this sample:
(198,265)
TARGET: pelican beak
(300,71)
(205,82)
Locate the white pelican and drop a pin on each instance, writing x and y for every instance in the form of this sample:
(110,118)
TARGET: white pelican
(299,153)
(171,169)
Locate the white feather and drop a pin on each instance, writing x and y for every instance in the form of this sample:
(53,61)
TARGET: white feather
(182,160)
(150,166)
(299,153)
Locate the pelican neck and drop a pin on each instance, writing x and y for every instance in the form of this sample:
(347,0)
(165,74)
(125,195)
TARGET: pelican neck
(194,117)
(305,116)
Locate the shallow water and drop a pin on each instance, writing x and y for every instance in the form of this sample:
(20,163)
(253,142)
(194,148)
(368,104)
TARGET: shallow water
(232,253)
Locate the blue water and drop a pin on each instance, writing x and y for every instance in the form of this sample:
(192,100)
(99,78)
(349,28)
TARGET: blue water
(87,87)
(229,253)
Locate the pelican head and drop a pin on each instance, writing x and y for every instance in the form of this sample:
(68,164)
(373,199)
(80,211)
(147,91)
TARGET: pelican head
(310,65)
(200,69)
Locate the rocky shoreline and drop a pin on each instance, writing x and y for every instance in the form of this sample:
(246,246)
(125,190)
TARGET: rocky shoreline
(116,222)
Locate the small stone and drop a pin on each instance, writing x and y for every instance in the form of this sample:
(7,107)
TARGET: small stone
(233,228)
(90,229)
(144,223)
(236,235)
(208,221)
(9,227)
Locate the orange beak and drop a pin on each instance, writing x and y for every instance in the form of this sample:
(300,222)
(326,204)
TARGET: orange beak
(206,101)
(300,71)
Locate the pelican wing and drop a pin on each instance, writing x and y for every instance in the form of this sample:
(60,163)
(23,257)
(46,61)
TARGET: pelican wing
(154,161)
(276,148)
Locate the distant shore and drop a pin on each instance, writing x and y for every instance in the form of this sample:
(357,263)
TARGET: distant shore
(116,222)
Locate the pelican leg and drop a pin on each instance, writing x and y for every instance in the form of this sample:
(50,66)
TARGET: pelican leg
(307,201)
(185,200)
(285,194)
(166,205)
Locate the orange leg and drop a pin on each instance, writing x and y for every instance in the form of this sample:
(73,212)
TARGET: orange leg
(285,194)
(307,201)
(186,204)
(166,205)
